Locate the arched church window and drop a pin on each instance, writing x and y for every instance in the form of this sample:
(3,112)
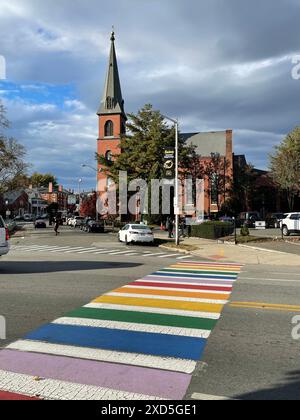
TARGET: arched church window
(109,129)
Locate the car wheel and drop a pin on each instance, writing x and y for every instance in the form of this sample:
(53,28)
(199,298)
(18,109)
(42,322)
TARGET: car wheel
(285,231)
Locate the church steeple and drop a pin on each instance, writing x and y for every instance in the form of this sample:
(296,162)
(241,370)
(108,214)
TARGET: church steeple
(112,101)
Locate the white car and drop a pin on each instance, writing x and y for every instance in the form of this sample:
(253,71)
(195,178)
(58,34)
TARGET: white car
(4,238)
(77,221)
(136,233)
(70,221)
(291,224)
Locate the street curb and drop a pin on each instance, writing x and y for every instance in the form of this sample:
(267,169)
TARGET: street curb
(169,248)
(265,250)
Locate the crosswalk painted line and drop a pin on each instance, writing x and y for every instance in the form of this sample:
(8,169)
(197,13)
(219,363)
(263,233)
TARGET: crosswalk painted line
(163,311)
(83,322)
(99,355)
(50,389)
(52,249)
(143,339)
(104,251)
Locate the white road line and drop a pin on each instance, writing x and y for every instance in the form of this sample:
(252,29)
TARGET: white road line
(199,273)
(155,255)
(184,258)
(171,289)
(50,389)
(87,250)
(205,397)
(132,254)
(143,309)
(75,250)
(60,249)
(181,283)
(173,298)
(168,256)
(128,326)
(187,277)
(120,253)
(107,251)
(109,356)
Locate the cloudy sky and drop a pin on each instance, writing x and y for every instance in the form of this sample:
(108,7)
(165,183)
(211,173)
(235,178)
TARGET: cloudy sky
(214,64)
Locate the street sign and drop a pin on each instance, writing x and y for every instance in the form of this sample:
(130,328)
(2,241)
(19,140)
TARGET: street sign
(169,163)
(72,200)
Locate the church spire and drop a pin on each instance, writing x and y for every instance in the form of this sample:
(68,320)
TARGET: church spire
(112,101)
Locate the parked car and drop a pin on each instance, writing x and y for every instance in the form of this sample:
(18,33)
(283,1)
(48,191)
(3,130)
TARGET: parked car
(28,218)
(135,234)
(77,221)
(226,219)
(273,220)
(93,226)
(40,224)
(70,221)
(4,238)
(248,219)
(291,224)
(85,223)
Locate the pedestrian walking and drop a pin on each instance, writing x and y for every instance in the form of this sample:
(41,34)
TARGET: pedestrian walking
(170,228)
(56,226)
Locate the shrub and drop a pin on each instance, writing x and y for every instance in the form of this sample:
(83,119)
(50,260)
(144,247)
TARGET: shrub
(245,231)
(212,230)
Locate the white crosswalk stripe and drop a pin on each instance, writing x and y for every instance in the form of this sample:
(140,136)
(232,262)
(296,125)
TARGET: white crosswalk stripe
(81,250)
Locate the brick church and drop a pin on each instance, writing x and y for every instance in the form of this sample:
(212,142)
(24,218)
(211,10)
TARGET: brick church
(112,125)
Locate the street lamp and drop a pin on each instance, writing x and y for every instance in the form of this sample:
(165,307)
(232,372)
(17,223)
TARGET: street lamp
(176,180)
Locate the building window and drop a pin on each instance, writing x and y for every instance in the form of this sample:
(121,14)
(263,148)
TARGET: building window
(109,129)
(109,156)
(215,189)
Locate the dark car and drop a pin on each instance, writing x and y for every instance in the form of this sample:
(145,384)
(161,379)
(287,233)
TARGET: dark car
(85,223)
(94,227)
(273,220)
(40,224)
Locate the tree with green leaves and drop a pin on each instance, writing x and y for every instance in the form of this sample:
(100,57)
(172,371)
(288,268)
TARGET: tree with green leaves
(12,165)
(285,166)
(43,180)
(143,148)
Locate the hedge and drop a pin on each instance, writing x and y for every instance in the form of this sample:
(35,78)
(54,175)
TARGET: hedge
(212,230)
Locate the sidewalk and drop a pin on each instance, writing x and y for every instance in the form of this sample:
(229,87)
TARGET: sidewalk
(242,254)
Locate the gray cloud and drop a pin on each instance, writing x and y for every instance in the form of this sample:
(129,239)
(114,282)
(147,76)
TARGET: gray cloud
(216,65)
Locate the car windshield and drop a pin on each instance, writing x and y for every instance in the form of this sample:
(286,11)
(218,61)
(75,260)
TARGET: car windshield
(139,227)
(1,222)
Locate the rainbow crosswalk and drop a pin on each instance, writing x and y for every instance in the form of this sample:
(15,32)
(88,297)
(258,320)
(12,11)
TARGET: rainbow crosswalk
(140,341)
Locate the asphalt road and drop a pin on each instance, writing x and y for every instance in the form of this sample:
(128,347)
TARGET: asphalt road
(250,355)
(39,285)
